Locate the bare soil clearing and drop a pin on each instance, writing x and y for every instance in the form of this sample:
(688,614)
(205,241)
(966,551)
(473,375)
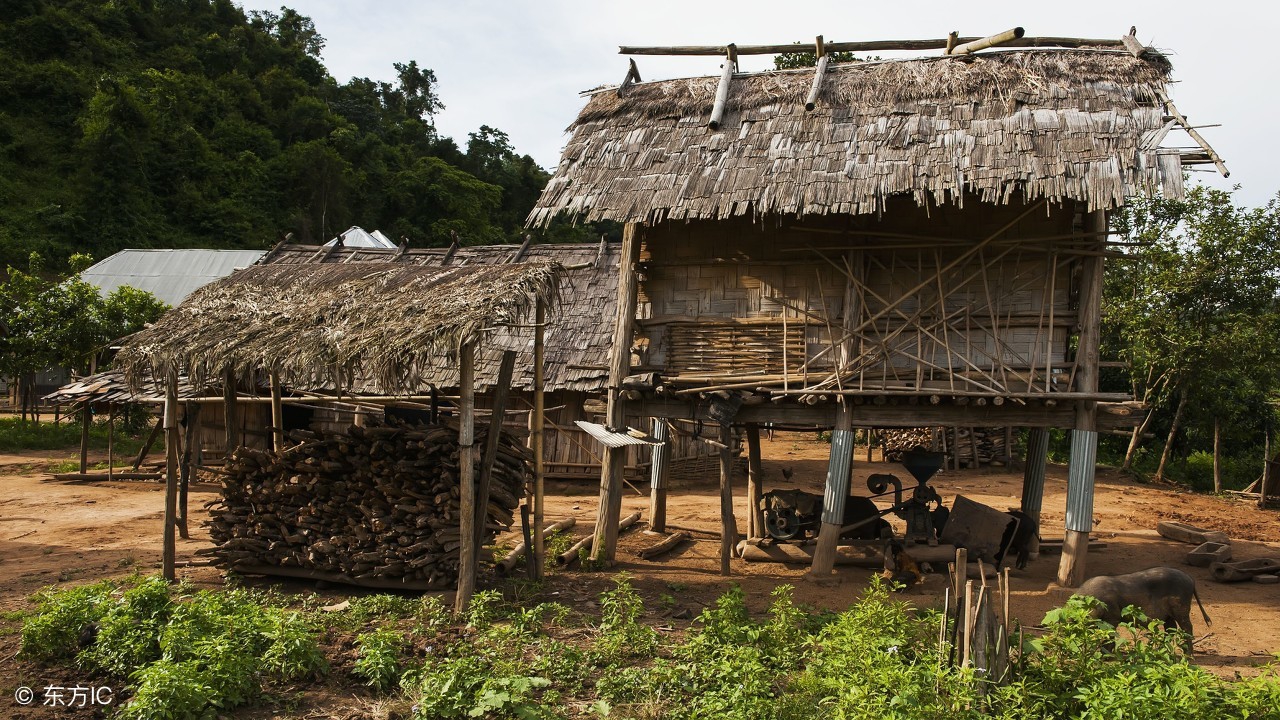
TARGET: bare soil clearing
(54,532)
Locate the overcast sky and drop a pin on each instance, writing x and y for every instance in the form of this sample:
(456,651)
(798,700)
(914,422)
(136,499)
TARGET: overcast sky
(519,66)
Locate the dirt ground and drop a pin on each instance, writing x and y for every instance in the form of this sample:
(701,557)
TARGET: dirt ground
(58,533)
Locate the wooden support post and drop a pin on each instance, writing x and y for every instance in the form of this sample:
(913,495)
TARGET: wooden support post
(839,468)
(277,413)
(170,473)
(728,525)
(1084,438)
(111,441)
(151,440)
(755,478)
(229,411)
(466,477)
(536,438)
(659,471)
(604,547)
(499,406)
(190,461)
(722,91)
(86,419)
(1033,478)
(819,73)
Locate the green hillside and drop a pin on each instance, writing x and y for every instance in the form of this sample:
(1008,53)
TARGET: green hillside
(185,123)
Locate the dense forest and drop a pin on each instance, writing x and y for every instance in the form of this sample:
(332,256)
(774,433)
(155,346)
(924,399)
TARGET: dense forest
(185,123)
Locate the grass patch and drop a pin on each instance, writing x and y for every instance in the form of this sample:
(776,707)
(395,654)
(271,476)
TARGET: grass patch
(16,436)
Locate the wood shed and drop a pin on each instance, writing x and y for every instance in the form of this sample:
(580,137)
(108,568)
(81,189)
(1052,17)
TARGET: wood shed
(369,328)
(895,243)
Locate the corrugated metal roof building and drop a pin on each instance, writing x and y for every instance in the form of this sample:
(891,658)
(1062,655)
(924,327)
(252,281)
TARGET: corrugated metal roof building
(170,275)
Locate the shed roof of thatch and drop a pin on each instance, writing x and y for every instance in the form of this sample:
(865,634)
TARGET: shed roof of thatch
(384,323)
(1080,125)
(578,336)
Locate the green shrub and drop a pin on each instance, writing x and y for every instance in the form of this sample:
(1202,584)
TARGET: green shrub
(62,618)
(129,632)
(378,658)
(621,632)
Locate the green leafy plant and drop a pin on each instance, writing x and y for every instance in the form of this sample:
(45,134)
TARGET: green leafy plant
(378,658)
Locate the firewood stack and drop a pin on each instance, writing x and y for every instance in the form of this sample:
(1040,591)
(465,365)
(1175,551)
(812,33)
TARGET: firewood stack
(896,441)
(376,504)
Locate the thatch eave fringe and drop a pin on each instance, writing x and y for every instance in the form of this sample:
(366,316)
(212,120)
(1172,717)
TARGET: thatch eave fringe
(331,325)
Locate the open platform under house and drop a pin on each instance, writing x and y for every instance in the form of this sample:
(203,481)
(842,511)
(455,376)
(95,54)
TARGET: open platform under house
(880,243)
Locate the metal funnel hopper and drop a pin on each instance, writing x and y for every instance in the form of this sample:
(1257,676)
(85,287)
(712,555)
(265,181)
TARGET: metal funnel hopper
(923,464)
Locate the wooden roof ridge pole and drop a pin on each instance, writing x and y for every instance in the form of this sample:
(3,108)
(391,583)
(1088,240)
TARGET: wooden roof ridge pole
(869,46)
(633,77)
(1182,120)
(499,405)
(1003,38)
(1135,48)
(604,546)
(466,477)
(518,255)
(722,91)
(819,72)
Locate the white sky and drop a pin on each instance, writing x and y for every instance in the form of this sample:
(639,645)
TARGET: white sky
(519,66)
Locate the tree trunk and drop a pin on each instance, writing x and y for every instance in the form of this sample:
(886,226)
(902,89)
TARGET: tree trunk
(1173,430)
(1217,456)
(1135,440)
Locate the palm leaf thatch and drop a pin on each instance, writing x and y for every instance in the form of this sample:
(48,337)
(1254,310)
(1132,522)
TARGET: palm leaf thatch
(1078,125)
(321,325)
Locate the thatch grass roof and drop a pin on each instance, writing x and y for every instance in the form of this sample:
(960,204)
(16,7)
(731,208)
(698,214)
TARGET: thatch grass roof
(578,336)
(1058,124)
(328,324)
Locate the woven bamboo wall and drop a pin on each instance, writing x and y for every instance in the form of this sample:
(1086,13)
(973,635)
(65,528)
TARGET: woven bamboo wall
(718,298)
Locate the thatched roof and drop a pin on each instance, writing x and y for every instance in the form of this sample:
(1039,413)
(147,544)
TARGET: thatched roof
(578,336)
(1079,125)
(329,323)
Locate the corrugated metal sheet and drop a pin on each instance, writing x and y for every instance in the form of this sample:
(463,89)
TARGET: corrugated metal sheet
(170,275)
(661,453)
(837,487)
(1033,476)
(615,439)
(1080,471)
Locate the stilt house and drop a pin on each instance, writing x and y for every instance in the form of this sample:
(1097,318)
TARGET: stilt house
(874,244)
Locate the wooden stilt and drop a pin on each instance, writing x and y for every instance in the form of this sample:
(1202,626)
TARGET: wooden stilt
(659,470)
(604,546)
(537,424)
(499,406)
(837,490)
(86,419)
(229,419)
(466,477)
(1084,438)
(728,525)
(755,478)
(277,413)
(170,474)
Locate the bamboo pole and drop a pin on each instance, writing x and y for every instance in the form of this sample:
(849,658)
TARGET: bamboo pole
(664,546)
(509,562)
(574,552)
(171,473)
(722,91)
(990,41)
(466,477)
(819,73)
(536,437)
(872,46)
(190,458)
